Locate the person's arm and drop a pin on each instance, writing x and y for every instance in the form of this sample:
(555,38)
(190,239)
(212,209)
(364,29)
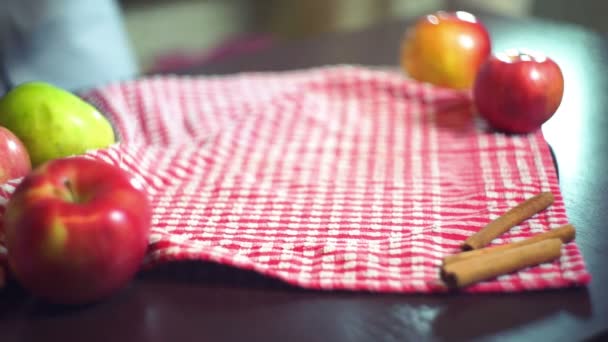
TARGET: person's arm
(74,44)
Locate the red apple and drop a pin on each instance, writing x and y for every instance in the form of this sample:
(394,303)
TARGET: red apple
(76,230)
(14,159)
(445,49)
(518,91)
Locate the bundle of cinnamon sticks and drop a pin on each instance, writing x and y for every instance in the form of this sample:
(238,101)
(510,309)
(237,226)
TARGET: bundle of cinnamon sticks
(477,262)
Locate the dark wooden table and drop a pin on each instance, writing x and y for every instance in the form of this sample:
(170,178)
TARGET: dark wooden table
(204,302)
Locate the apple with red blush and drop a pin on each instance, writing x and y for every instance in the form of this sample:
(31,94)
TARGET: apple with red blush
(445,49)
(14,158)
(516,91)
(76,230)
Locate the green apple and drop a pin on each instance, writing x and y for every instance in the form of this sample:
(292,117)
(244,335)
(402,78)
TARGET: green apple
(52,122)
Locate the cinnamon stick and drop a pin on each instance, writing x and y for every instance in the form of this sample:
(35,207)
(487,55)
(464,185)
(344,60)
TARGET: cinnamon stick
(490,265)
(566,233)
(511,218)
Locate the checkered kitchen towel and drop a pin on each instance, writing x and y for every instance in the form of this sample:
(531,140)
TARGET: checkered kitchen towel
(330,178)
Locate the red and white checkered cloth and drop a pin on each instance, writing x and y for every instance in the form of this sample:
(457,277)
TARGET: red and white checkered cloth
(330,178)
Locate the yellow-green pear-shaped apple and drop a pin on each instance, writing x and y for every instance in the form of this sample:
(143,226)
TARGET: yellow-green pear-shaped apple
(52,122)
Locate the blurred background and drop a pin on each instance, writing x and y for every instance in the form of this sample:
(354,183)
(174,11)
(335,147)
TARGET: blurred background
(168,34)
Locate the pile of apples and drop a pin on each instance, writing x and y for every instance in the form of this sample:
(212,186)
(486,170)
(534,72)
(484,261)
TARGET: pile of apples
(515,91)
(76,229)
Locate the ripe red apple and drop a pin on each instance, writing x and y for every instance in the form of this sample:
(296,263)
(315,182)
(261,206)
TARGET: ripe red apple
(76,230)
(14,159)
(518,91)
(445,49)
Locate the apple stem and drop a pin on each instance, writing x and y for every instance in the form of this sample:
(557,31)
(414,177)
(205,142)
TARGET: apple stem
(71,195)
